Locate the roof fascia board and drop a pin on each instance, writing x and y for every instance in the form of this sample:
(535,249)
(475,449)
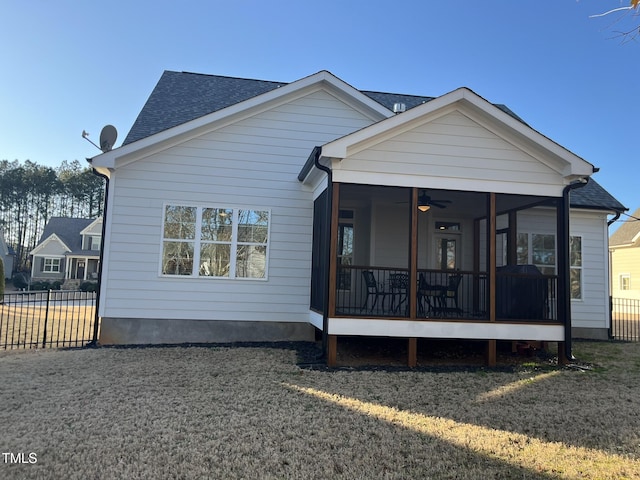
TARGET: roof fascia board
(86,229)
(478,109)
(180,133)
(51,238)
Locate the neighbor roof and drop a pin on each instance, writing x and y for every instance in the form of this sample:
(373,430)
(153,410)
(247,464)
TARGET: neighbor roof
(629,230)
(179,97)
(68,230)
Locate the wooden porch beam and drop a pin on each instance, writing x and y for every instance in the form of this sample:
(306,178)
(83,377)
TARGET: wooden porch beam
(332,350)
(412,352)
(333,248)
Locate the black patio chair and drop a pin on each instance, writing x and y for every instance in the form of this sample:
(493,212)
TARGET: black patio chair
(372,290)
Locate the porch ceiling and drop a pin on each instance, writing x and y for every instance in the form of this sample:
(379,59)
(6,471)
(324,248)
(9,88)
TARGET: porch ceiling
(463,204)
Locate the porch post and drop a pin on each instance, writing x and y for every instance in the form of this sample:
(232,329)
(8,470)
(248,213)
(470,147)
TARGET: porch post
(491,271)
(563,286)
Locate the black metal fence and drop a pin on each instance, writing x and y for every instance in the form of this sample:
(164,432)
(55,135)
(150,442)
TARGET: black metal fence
(625,319)
(49,319)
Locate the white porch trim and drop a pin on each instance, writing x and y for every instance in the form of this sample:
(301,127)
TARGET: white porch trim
(444,329)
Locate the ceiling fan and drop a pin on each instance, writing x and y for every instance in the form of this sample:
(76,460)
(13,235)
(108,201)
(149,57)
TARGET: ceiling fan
(425,202)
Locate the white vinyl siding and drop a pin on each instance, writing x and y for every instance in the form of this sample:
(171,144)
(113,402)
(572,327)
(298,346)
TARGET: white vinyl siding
(249,164)
(451,152)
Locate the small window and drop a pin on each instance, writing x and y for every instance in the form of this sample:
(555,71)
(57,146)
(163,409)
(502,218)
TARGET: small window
(95,243)
(448,226)
(625,281)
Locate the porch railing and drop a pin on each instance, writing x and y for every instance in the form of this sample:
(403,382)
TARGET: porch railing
(384,292)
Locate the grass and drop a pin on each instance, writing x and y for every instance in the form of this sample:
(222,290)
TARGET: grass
(250,412)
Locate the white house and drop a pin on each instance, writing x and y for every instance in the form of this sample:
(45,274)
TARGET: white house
(243,210)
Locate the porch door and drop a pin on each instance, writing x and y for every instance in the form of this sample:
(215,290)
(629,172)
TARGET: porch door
(447,252)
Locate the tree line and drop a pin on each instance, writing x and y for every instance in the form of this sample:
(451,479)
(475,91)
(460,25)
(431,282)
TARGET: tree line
(30,194)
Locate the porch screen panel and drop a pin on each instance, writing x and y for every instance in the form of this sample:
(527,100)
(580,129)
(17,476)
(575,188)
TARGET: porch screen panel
(319,258)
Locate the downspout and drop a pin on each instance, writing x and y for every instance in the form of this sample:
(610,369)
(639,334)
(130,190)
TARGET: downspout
(564,263)
(325,273)
(614,219)
(610,259)
(96,320)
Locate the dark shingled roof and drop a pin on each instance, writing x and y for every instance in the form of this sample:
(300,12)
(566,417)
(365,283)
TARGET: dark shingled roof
(592,195)
(68,230)
(180,97)
(627,231)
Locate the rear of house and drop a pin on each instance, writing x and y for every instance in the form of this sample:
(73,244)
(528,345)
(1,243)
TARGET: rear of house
(244,210)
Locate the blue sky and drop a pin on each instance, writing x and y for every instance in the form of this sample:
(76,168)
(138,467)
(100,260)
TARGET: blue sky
(71,65)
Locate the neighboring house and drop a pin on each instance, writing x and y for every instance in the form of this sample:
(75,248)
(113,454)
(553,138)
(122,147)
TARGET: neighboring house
(624,245)
(7,254)
(68,251)
(250,210)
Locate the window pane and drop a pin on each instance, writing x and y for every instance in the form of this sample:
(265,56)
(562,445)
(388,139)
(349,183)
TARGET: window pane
(180,222)
(543,249)
(253,226)
(523,249)
(251,261)
(576,282)
(345,241)
(215,260)
(177,258)
(575,250)
(217,224)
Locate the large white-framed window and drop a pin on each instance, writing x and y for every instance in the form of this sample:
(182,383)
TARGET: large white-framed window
(51,265)
(540,250)
(215,242)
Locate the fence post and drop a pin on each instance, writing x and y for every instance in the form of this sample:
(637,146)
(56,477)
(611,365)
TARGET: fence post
(46,319)
(610,317)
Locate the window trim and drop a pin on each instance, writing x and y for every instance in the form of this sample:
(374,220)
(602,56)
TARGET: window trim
(44,264)
(197,242)
(623,276)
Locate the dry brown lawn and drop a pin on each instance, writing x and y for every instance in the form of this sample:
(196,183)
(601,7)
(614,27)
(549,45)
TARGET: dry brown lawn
(251,412)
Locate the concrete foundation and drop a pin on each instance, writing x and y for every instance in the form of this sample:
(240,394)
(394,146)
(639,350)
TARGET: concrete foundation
(136,331)
(590,333)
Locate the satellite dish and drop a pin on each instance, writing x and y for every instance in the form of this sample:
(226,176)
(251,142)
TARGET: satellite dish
(108,138)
